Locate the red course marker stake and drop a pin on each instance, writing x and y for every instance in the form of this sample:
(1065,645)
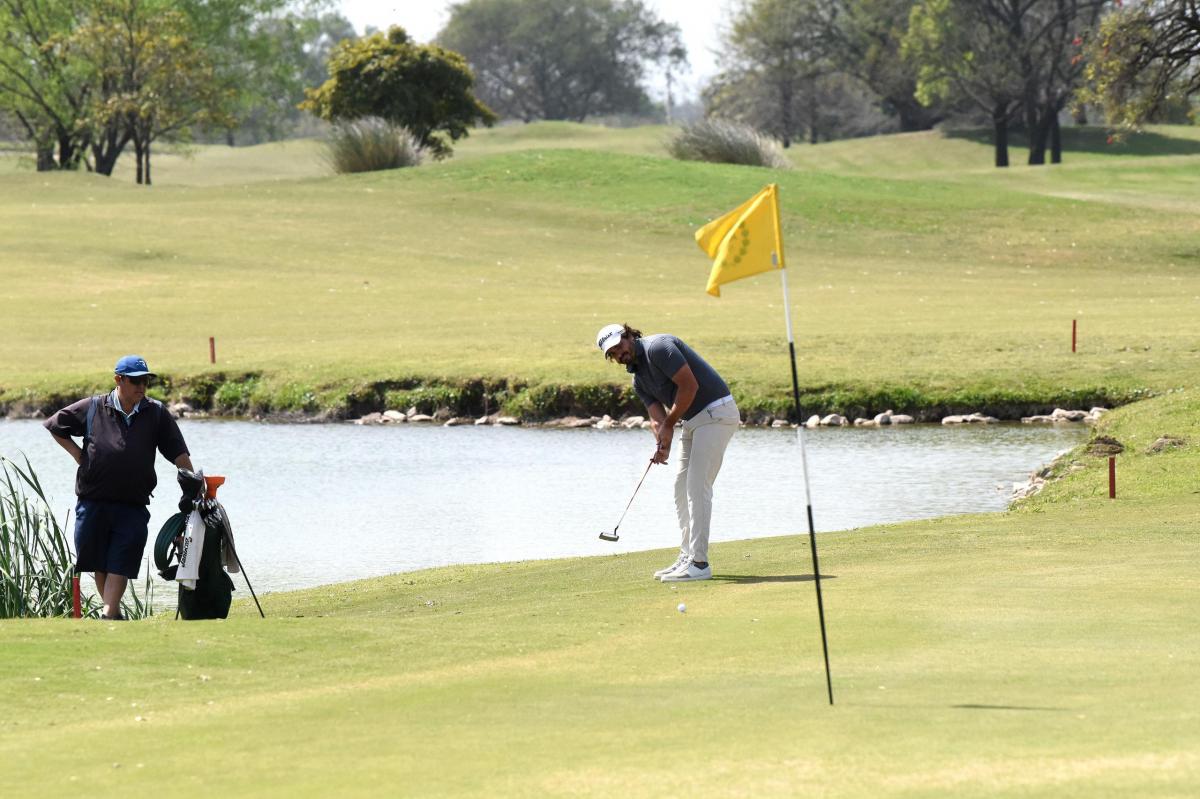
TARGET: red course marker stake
(1112,477)
(212,349)
(76,604)
(1074,324)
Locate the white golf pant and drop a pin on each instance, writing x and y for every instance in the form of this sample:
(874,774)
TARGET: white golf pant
(705,437)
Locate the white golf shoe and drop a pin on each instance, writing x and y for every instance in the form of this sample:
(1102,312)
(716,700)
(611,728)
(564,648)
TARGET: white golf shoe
(688,572)
(680,561)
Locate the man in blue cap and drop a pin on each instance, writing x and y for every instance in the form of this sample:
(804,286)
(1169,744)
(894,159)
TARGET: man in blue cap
(121,431)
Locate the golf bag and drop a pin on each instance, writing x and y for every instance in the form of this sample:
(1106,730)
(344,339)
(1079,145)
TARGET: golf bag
(191,549)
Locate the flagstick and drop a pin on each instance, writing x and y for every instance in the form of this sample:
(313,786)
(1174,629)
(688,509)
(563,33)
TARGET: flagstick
(812,538)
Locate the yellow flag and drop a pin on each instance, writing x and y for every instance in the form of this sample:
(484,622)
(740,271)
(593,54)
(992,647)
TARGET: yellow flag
(745,241)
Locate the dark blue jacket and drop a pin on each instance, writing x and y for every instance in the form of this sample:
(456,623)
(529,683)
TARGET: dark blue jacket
(118,459)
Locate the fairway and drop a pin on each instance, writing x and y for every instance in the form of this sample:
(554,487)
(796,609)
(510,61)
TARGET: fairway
(1049,651)
(910,284)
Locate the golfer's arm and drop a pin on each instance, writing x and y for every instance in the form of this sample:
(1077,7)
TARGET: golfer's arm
(686,388)
(658,415)
(184,461)
(71,447)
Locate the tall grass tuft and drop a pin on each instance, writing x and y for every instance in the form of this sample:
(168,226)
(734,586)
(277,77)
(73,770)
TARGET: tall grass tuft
(36,562)
(719,141)
(370,144)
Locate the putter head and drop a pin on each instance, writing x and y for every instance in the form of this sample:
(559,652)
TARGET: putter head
(609,536)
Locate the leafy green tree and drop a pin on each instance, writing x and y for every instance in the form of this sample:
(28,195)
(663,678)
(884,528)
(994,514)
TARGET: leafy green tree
(156,79)
(863,39)
(1012,58)
(1142,59)
(57,83)
(772,64)
(290,54)
(45,92)
(423,88)
(562,59)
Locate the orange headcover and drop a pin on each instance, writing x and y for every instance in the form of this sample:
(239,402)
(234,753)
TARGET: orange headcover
(211,484)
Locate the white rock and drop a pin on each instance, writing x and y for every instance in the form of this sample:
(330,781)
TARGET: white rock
(484,420)
(412,411)
(507,421)
(835,420)
(861,422)
(979,418)
(395,416)
(1068,416)
(420,417)
(902,418)
(370,418)
(883,418)
(1037,419)
(1097,412)
(632,421)
(813,421)
(605,424)
(780,423)
(955,419)
(458,421)
(647,425)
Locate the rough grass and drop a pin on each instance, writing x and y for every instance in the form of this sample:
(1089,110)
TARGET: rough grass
(1050,652)
(502,265)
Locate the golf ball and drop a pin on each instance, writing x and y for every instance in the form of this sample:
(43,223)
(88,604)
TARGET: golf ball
(682,608)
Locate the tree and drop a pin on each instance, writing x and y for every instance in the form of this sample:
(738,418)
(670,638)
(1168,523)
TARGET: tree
(39,87)
(1010,57)
(155,79)
(772,60)
(1142,57)
(863,38)
(424,88)
(562,59)
(290,54)
(58,74)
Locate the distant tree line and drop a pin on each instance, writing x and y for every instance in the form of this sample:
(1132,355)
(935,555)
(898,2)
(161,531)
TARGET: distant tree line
(85,80)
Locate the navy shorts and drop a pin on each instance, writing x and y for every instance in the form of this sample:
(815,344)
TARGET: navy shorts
(110,537)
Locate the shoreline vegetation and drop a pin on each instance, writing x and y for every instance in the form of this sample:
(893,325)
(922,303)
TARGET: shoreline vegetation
(255,396)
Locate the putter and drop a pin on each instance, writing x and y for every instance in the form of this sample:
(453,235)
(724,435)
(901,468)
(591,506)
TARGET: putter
(613,535)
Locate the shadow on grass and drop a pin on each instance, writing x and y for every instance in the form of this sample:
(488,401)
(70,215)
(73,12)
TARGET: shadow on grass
(1011,707)
(750,579)
(1090,140)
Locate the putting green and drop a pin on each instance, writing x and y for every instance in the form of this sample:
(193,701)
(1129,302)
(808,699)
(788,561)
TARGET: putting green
(1047,652)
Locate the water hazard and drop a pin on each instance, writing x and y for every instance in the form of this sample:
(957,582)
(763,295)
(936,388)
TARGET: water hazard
(315,504)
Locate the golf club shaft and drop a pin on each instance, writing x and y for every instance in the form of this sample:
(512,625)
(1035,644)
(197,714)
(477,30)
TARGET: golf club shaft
(635,493)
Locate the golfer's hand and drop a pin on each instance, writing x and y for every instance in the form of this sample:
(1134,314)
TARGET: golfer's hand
(663,445)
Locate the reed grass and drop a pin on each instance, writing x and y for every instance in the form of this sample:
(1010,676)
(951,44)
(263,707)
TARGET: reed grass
(36,560)
(720,141)
(371,144)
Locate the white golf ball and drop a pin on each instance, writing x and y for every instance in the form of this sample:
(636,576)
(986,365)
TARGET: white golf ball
(682,608)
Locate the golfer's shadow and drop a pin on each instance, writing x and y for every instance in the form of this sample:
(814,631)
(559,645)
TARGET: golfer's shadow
(750,579)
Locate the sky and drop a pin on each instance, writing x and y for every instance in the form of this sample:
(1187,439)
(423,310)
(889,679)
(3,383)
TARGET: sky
(697,19)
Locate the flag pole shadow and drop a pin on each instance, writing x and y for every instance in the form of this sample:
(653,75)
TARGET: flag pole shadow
(750,579)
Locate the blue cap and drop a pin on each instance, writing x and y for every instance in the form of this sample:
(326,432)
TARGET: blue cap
(133,366)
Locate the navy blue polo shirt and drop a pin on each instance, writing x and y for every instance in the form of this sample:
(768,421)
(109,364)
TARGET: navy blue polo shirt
(657,358)
(118,460)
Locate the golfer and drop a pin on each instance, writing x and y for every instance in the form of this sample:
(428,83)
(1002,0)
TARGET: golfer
(120,432)
(678,385)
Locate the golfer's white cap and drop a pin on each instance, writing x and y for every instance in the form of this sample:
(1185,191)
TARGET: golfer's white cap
(608,337)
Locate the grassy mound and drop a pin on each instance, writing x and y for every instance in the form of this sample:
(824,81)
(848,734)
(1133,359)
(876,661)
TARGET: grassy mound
(957,287)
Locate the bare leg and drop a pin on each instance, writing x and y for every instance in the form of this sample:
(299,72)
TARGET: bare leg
(113,590)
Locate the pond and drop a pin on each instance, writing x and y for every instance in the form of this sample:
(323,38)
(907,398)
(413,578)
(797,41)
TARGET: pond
(316,504)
